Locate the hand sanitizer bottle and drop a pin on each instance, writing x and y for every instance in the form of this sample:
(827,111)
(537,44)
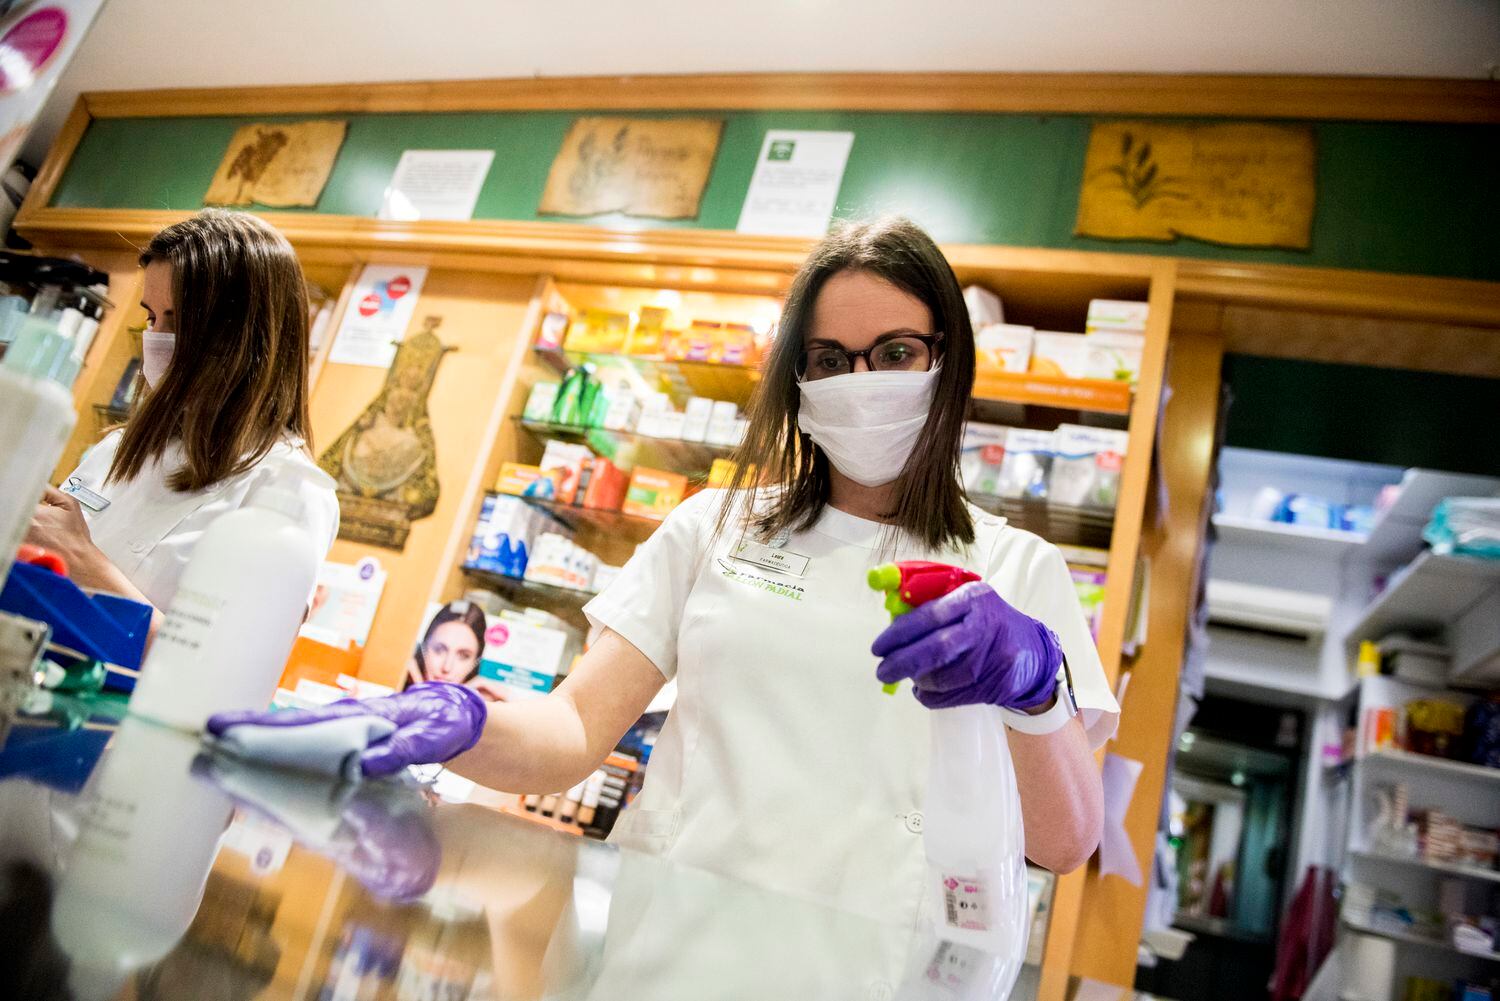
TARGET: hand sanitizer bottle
(241,600)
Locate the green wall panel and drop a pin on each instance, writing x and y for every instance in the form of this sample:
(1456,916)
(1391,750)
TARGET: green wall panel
(1392,416)
(1416,199)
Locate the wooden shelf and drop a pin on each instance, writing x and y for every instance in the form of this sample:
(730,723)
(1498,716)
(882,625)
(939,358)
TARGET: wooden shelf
(1397,535)
(1059,524)
(1432,763)
(692,458)
(1091,395)
(679,379)
(1330,542)
(1449,868)
(570,596)
(1426,595)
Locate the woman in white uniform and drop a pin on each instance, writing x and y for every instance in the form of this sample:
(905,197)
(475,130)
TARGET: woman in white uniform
(224,361)
(783,764)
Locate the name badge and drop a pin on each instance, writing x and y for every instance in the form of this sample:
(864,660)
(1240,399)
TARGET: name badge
(94,502)
(767,558)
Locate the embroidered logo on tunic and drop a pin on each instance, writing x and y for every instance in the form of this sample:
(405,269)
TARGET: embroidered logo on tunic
(760,583)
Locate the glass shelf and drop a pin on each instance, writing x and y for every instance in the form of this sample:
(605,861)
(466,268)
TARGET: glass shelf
(611,521)
(692,458)
(1059,524)
(678,379)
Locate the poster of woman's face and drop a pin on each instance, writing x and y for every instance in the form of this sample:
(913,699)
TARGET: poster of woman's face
(451,648)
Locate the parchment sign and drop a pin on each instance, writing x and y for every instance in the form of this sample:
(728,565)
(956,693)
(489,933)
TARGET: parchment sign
(1239,184)
(638,166)
(279,165)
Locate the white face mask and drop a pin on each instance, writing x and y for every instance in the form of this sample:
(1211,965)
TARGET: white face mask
(156,355)
(867,423)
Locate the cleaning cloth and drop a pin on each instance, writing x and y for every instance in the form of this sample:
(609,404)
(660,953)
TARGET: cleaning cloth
(327,747)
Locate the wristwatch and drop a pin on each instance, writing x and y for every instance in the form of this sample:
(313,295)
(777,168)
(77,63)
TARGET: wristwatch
(1064,707)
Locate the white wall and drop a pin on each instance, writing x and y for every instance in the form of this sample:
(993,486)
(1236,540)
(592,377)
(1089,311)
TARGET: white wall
(181,43)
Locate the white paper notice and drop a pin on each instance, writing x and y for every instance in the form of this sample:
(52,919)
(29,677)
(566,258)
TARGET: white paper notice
(436,184)
(378,315)
(796,183)
(1116,853)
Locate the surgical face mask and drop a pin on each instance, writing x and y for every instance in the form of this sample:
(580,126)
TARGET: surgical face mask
(867,423)
(156,354)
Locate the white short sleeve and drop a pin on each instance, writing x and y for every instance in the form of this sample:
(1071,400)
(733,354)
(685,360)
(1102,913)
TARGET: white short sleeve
(644,603)
(1051,598)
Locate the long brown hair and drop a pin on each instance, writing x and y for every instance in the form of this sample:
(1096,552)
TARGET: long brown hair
(237,382)
(929,498)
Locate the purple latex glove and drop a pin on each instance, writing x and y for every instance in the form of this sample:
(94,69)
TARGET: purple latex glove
(435,721)
(970,647)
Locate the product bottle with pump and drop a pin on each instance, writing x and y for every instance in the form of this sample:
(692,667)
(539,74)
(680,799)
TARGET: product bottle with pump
(36,418)
(971,818)
(240,601)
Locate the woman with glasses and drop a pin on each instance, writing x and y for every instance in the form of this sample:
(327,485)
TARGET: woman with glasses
(783,763)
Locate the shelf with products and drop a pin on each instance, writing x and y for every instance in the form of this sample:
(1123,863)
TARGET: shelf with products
(1429,593)
(681,380)
(1446,868)
(1303,538)
(693,458)
(1059,524)
(1431,763)
(567,602)
(1397,533)
(632,525)
(1101,396)
(1415,938)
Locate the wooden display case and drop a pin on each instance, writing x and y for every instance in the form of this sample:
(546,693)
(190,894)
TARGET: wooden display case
(492,281)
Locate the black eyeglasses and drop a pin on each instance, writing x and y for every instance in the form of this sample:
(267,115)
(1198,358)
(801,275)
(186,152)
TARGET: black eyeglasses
(892,353)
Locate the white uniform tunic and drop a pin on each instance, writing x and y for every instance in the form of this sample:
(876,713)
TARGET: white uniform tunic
(783,764)
(149,530)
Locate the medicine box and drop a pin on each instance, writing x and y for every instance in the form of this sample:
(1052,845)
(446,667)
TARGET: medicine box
(1059,354)
(1117,314)
(553,331)
(695,418)
(980,457)
(653,493)
(1004,347)
(523,656)
(539,402)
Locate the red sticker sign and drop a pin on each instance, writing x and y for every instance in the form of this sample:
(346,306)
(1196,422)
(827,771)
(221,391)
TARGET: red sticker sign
(369,305)
(399,286)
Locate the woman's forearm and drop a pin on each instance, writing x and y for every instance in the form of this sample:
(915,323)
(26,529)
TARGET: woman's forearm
(535,746)
(1062,798)
(97,573)
(550,744)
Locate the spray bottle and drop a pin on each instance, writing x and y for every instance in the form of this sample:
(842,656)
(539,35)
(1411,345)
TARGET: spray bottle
(972,834)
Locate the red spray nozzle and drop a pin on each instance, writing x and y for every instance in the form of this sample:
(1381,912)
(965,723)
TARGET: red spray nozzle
(909,583)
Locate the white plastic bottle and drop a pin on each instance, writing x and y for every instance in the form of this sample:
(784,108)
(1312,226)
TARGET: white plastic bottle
(973,838)
(134,877)
(36,418)
(240,601)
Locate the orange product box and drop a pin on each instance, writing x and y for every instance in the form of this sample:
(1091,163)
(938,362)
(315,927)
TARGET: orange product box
(653,493)
(598,331)
(605,489)
(735,345)
(522,480)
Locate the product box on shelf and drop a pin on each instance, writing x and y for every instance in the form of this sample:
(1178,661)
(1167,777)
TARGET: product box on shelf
(1003,347)
(539,402)
(665,423)
(1086,463)
(1059,354)
(1025,464)
(553,332)
(605,490)
(598,331)
(721,423)
(653,493)
(695,343)
(1088,583)
(695,418)
(521,480)
(647,337)
(622,411)
(565,462)
(1117,314)
(1115,354)
(984,306)
(502,539)
(735,345)
(980,457)
(559,561)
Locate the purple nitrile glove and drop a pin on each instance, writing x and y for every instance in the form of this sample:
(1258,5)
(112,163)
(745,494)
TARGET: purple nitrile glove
(970,647)
(435,721)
